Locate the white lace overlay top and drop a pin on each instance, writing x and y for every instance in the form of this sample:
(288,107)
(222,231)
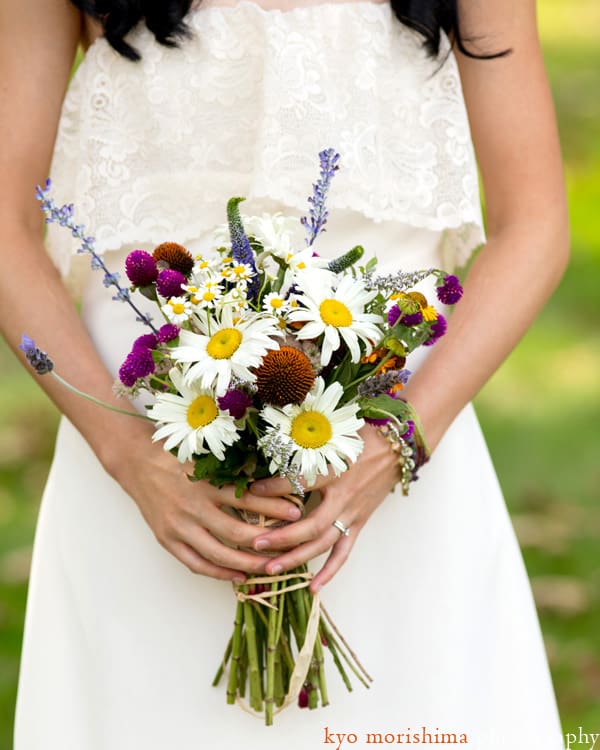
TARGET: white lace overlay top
(151,151)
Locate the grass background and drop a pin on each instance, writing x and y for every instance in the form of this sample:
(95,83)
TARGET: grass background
(540,413)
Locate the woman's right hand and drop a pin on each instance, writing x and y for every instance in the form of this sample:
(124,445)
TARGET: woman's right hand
(188,518)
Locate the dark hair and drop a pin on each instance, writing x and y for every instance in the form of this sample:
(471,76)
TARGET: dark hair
(166,20)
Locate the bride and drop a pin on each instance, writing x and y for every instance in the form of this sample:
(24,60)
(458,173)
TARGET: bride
(125,615)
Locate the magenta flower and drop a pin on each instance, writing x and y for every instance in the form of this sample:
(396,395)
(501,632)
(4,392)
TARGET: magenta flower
(167,333)
(236,402)
(450,291)
(147,341)
(168,283)
(303,698)
(408,319)
(140,268)
(138,364)
(438,329)
(393,315)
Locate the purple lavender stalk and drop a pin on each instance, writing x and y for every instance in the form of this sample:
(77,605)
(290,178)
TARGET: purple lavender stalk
(241,250)
(318,213)
(38,359)
(64,216)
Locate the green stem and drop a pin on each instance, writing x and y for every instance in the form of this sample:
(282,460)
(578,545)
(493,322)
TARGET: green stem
(97,401)
(255,677)
(236,638)
(221,669)
(272,638)
(335,647)
(320,670)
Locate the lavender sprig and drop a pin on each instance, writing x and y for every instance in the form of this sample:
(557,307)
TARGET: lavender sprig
(65,217)
(43,365)
(318,213)
(241,250)
(383,383)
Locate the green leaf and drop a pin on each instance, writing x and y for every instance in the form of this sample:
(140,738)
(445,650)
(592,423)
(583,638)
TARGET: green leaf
(383,405)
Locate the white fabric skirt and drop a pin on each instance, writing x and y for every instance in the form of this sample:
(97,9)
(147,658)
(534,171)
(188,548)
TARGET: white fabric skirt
(121,640)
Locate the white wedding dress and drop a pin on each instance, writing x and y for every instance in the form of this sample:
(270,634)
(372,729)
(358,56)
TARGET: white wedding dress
(121,641)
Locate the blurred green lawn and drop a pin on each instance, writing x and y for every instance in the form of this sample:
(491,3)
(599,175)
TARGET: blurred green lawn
(540,413)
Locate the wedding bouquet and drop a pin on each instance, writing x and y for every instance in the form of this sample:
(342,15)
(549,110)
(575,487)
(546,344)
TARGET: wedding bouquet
(268,361)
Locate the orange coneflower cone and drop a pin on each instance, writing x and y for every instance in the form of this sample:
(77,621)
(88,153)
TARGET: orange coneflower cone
(285,377)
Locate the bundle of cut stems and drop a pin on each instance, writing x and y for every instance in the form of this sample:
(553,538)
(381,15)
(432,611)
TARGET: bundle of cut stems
(276,654)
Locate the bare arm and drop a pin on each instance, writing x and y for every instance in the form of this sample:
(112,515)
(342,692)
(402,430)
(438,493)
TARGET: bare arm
(38,40)
(516,141)
(515,136)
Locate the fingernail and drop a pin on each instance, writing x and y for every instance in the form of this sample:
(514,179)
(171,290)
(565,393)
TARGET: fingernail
(316,588)
(276,569)
(294,514)
(257,487)
(238,580)
(262,544)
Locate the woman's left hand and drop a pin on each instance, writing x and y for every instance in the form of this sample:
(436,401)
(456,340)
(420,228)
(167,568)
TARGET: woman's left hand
(350,498)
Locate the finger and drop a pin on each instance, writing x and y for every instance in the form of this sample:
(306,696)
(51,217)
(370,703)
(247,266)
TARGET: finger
(301,554)
(272,487)
(339,555)
(223,525)
(272,507)
(280,486)
(213,550)
(312,527)
(198,564)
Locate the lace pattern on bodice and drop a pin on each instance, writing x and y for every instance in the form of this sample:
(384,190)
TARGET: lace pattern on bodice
(151,151)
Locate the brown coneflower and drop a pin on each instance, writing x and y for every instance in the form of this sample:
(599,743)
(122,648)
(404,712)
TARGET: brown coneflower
(284,377)
(172,255)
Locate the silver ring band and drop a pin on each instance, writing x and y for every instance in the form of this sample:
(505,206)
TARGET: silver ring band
(340,527)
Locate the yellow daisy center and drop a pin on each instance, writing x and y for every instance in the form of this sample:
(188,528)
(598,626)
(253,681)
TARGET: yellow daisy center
(177,307)
(224,343)
(311,429)
(301,266)
(202,411)
(208,296)
(335,313)
(276,303)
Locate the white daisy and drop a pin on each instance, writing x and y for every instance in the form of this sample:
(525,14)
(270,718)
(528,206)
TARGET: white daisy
(192,421)
(336,312)
(275,303)
(178,310)
(204,266)
(206,296)
(227,346)
(321,436)
(278,234)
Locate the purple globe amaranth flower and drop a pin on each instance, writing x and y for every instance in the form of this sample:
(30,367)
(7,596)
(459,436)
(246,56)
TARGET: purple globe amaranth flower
(412,319)
(303,698)
(236,402)
(167,333)
(147,341)
(408,319)
(376,422)
(438,329)
(168,283)
(140,268)
(138,364)
(393,315)
(450,291)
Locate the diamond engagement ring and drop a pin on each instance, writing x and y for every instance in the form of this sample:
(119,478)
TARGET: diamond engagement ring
(340,527)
